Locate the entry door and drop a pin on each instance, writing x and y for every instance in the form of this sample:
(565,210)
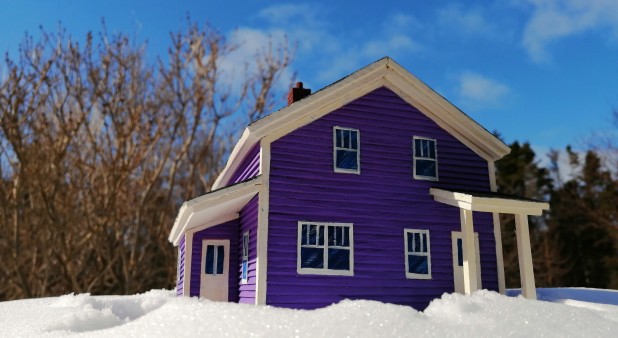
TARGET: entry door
(215,270)
(457,244)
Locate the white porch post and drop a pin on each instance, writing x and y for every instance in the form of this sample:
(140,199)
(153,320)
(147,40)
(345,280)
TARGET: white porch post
(469,252)
(524,254)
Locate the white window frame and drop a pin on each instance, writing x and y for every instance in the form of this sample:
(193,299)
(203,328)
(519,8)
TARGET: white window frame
(325,270)
(245,257)
(335,148)
(415,157)
(410,275)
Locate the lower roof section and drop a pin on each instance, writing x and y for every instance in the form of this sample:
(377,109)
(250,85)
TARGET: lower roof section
(218,205)
(489,201)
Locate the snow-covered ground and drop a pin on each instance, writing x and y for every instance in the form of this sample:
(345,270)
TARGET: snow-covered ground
(158,313)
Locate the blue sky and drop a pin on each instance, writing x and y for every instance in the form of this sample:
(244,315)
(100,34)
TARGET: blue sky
(543,71)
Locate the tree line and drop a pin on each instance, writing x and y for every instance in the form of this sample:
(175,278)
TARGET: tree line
(99,147)
(576,242)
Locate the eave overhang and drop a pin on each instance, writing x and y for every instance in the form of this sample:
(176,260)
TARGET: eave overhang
(214,207)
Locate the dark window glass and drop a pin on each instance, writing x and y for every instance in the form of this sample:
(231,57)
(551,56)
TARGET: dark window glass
(220,257)
(338,136)
(346,139)
(312,258)
(424,242)
(347,159)
(346,236)
(210,259)
(426,168)
(459,252)
(417,242)
(339,259)
(354,136)
(418,264)
(410,239)
(313,232)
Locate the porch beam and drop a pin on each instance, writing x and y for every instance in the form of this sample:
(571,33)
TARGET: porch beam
(524,253)
(469,252)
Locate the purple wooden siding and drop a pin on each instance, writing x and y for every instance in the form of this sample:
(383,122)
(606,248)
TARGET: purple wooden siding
(248,222)
(249,167)
(228,230)
(181,267)
(380,202)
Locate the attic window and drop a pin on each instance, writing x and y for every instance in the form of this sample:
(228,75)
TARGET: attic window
(346,150)
(425,159)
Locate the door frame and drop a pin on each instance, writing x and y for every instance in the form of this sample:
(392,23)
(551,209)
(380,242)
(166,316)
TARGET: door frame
(220,289)
(458,284)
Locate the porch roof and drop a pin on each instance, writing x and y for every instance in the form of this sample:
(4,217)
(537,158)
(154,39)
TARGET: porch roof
(215,207)
(489,201)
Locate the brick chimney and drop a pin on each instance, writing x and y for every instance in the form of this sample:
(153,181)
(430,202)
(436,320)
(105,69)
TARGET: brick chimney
(298,93)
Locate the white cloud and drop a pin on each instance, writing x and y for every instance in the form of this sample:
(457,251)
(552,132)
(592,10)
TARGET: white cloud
(479,91)
(556,19)
(469,21)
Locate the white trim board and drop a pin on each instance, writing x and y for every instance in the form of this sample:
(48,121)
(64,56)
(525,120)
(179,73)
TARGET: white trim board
(488,204)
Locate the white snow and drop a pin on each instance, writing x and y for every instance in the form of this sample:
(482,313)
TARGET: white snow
(159,313)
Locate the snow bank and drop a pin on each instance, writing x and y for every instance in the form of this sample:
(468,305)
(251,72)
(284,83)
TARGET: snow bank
(159,313)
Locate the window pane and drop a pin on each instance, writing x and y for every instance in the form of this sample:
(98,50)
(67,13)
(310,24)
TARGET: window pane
(245,268)
(338,136)
(426,168)
(220,257)
(418,264)
(417,147)
(424,235)
(409,236)
(354,136)
(321,235)
(210,259)
(303,235)
(331,236)
(459,252)
(312,258)
(346,236)
(432,149)
(312,234)
(347,159)
(338,259)
(417,242)
(346,139)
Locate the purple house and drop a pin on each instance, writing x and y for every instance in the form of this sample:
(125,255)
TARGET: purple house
(375,187)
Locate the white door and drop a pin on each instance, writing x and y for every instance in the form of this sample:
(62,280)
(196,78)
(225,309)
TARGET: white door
(457,244)
(215,270)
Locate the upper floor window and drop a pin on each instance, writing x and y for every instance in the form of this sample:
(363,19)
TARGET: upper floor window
(346,150)
(418,255)
(425,159)
(325,249)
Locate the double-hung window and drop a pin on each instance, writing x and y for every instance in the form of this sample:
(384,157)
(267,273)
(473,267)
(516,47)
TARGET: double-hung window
(325,249)
(245,257)
(346,150)
(425,159)
(418,254)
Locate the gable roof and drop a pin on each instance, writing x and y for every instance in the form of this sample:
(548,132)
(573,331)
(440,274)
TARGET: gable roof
(382,73)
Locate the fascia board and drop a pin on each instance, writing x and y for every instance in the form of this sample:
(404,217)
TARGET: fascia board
(488,204)
(444,113)
(242,147)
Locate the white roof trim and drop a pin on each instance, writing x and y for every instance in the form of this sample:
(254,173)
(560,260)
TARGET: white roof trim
(496,204)
(216,206)
(384,72)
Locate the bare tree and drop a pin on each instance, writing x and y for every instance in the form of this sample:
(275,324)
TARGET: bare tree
(98,147)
